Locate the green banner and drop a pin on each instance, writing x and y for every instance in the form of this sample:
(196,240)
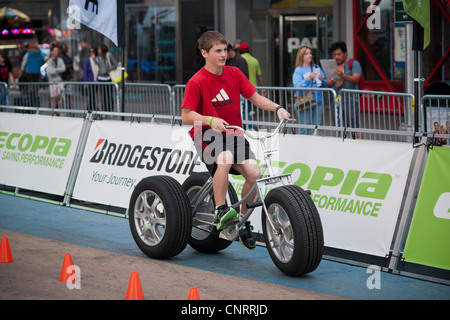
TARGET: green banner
(428,241)
(419,10)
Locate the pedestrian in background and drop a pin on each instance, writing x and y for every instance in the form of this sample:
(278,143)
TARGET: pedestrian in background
(254,75)
(106,63)
(6,76)
(68,62)
(30,69)
(349,72)
(308,75)
(234,59)
(55,68)
(254,69)
(31,64)
(90,74)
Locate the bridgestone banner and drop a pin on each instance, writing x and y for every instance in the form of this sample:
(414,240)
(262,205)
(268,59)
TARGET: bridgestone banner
(357,186)
(119,154)
(428,241)
(37,152)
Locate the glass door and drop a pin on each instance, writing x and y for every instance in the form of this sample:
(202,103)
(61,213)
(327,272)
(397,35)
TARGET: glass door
(303,30)
(297,31)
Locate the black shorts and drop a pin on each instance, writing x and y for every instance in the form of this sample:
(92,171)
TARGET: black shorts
(209,144)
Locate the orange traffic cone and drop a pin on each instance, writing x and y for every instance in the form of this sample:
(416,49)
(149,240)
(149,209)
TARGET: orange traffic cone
(65,275)
(5,251)
(134,291)
(193,294)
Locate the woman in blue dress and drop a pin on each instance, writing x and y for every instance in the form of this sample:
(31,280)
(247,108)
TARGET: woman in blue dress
(308,75)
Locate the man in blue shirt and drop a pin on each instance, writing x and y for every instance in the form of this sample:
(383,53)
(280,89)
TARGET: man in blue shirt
(31,64)
(349,71)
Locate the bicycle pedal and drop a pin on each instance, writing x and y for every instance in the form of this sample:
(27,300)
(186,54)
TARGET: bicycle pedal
(254,204)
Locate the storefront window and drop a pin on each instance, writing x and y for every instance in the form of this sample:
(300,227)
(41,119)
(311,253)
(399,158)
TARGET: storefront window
(439,44)
(151,43)
(385,39)
(278,34)
(261,4)
(284,4)
(384,45)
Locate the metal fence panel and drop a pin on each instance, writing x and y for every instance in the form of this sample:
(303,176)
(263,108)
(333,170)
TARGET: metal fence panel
(36,94)
(148,98)
(177,98)
(370,114)
(376,110)
(435,117)
(312,108)
(256,118)
(92,96)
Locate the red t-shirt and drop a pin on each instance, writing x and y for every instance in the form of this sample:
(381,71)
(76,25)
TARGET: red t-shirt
(218,95)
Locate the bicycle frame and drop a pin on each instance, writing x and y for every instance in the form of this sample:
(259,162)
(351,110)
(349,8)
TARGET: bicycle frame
(261,184)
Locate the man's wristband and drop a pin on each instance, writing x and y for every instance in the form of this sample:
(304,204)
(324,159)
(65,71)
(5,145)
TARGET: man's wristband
(278,108)
(210,121)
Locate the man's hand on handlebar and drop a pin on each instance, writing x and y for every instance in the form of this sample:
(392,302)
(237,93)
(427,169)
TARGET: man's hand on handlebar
(282,113)
(218,124)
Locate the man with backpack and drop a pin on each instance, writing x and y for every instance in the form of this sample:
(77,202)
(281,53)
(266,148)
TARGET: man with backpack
(350,74)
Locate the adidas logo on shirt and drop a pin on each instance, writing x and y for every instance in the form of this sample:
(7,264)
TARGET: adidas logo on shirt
(221,99)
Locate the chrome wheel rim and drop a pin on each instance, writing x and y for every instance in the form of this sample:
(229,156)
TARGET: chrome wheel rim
(281,237)
(150,218)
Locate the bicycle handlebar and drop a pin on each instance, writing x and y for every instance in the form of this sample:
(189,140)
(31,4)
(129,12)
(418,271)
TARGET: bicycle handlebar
(260,137)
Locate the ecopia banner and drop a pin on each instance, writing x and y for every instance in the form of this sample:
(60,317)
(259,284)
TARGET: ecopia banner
(428,241)
(37,152)
(357,186)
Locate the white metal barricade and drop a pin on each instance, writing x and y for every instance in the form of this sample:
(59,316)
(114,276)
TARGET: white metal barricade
(363,109)
(435,116)
(368,114)
(148,98)
(92,96)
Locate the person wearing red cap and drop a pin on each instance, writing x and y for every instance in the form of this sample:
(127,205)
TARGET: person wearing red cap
(212,101)
(254,74)
(254,70)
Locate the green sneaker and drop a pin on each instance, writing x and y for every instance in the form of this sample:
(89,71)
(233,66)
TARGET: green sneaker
(225,217)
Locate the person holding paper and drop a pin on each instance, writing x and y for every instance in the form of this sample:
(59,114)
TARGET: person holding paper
(308,75)
(349,72)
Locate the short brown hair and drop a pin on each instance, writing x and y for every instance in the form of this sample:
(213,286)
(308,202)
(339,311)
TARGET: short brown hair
(209,39)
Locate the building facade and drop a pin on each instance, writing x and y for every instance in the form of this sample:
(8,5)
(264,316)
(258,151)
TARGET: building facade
(161,36)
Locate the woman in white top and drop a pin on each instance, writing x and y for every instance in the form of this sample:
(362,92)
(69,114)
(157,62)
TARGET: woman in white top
(55,67)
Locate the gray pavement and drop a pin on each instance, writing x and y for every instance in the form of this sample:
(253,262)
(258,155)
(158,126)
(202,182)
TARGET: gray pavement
(41,233)
(38,261)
